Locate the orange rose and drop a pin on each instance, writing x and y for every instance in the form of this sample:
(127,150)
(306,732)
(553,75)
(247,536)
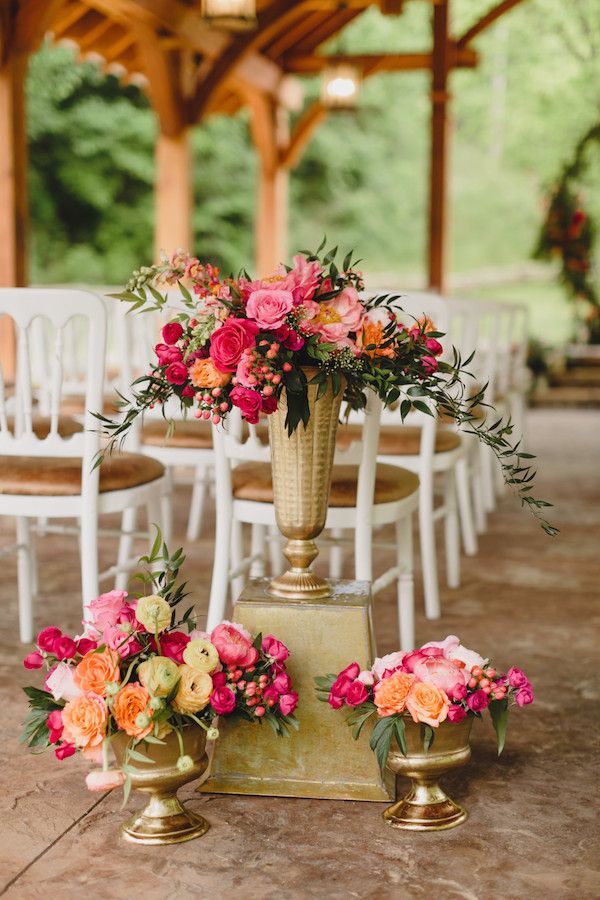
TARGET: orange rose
(427,703)
(391,693)
(95,670)
(373,334)
(203,374)
(131,710)
(84,720)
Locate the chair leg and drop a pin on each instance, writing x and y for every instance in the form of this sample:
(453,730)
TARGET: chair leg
(487,475)
(257,548)
(478,501)
(428,554)
(220,575)
(128,521)
(336,555)
(24,580)
(406,599)
(194,526)
(451,535)
(237,555)
(166,510)
(89,557)
(277,560)
(467,526)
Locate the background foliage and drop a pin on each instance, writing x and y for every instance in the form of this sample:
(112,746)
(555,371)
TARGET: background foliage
(363,178)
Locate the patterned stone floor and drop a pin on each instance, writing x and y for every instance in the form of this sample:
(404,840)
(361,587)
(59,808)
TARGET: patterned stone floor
(531,832)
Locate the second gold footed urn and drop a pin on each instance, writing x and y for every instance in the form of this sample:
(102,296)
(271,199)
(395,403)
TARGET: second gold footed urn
(301,466)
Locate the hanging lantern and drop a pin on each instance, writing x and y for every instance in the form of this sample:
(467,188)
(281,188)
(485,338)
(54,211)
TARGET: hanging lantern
(341,86)
(230,15)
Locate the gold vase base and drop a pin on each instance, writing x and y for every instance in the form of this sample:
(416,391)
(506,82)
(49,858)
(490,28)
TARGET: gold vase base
(300,584)
(438,816)
(175,828)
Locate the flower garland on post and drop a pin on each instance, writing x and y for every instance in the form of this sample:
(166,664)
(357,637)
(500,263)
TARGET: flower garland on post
(569,233)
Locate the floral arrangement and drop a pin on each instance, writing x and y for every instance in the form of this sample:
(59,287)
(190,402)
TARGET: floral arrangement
(441,681)
(239,343)
(139,670)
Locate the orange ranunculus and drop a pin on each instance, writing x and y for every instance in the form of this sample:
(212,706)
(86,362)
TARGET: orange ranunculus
(391,693)
(96,669)
(427,703)
(131,701)
(84,720)
(203,374)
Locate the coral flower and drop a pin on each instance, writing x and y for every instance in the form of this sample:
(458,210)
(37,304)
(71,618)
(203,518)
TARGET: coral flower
(204,374)
(84,720)
(390,695)
(132,702)
(95,670)
(427,703)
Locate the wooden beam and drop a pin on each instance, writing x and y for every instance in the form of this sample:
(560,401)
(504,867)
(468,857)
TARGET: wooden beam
(486,21)
(173,193)
(302,133)
(438,237)
(371,63)
(160,68)
(33,19)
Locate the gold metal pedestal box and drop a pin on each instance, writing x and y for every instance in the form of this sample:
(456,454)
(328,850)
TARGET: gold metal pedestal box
(320,760)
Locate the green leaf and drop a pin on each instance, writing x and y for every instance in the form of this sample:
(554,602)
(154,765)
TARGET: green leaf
(428,736)
(400,734)
(359,723)
(381,740)
(499,713)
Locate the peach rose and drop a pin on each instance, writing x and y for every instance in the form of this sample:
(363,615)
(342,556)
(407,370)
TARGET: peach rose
(131,710)
(391,693)
(84,720)
(204,374)
(427,703)
(96,669)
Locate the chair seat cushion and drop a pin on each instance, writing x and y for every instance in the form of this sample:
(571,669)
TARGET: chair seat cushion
(399,440)
(192,434)
(253,481)
(55,477)
(74,405)
(41,426)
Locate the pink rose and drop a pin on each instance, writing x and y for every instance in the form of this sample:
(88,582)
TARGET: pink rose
(386,665)
(85,644)
(356,693)
(517,678)
(456,713)
(99,780)
(288,703)
(269,307)
(119,638)
(55,726)
(60,683)
(167,354)
(434,347)
(222,701)
(33,660)
(282,683)
(173,644)
(339,688)
(176,373)
(105,608)
(429,364)
(65,750)
(439,671)
(274,648)
(478,700)
(233,645)
(47,638)
(65,647)
(524,695)
(249,403)
(172,332)
(229,342)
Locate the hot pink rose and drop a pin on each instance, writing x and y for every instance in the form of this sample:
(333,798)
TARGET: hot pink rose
(288,703)
(65,647)
(517,678)
(167,354)
(282,683)
(229,342)
(434,347)
(456,713)
(222,701)
(249,403)
(60,683)
(356,693)
(55,726)
(100,780)
(176,373)
(173,644)
(105,609)
(437,670)
(233,645)
(65,750)
(294,341)
(429,364)
(269,307)
(33,660)
(269,405)
(524,695)
(85,644)
(47,638)
(274,648)
(219,679)
(478,701)
(339,688)
(172,332)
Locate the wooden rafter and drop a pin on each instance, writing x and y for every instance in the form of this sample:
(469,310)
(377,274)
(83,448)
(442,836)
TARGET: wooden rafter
(486,20)
(302,133)
(370,63)
(160,68)
(327,28)
(32,21)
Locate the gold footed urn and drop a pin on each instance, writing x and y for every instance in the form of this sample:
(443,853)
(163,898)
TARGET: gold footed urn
(426,807)
(301,467)
(164,820)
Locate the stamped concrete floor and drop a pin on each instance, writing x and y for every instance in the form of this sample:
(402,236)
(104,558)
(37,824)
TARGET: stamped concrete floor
(532,833)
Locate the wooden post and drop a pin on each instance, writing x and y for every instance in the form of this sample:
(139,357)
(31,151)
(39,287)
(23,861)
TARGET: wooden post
(438,230)
(270,134)
(13,192)
(174,193)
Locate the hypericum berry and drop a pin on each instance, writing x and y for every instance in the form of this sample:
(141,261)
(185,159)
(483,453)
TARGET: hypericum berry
(259,711)
(490,673)
(485,682)
(287,367)
(472,682)
(206,414)
(267,390)
(216,392)
(477,671)
(276,379)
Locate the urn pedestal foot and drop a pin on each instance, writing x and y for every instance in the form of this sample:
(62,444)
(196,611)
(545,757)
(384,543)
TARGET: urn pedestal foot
(164,821)
(425,808)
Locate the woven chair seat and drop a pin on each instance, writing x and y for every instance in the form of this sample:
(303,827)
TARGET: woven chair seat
(56,477)
(399,440)
(40,425)
(192,434)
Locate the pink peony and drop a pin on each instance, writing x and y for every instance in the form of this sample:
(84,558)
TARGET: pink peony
(100,780)
(282,683)
(60,683)
(356,693)
(478,700)
(176,373)
(385,665)
(65,647)
(119,638)
(33,660)
(335,319)
(303,279)
(222,700)
(274,648)
(167,355)
(173,644)
(517,678)
(446,646)
(437,670)
(47,638)
(55,726)
(249,403)
(456,713)
(105,609)
(172,332)
(269,307)
(524,695)
(65,750)
(233,645)
(229,342)
(288,703)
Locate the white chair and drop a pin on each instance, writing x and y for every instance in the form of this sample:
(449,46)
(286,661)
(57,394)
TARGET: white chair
(363,495)
(53,476)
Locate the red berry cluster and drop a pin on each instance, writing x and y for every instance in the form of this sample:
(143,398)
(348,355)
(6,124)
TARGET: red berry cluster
(486,679)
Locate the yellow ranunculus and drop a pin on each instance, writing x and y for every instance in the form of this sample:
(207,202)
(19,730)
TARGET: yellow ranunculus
(159,675)
(153,613)
(201,655)
(193,692)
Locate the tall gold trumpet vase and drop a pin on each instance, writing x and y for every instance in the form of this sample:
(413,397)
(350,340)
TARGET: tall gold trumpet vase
(426,807)
(301,479)
(164,820)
